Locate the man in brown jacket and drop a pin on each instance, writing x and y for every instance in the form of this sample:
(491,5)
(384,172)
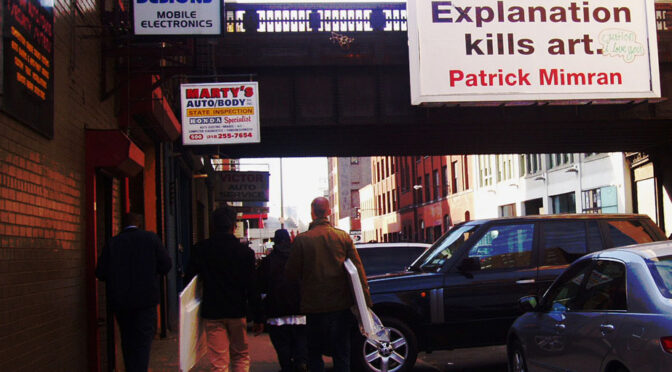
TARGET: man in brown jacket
(316,260)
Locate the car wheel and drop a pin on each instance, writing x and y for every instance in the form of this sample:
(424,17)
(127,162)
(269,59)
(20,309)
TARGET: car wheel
(517,357)
(398,355)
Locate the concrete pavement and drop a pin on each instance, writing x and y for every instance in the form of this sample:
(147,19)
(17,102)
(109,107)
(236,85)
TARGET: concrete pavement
(165,356)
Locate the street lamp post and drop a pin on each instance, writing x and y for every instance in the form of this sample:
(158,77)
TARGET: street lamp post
(282,205)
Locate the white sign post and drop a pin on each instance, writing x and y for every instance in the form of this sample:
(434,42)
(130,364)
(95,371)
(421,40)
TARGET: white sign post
(508,50)
(189,17)
(220,113)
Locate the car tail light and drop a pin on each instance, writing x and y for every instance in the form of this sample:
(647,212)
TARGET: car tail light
(666,343)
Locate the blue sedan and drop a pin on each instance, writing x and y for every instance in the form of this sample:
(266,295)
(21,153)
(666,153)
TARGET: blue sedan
(610,311)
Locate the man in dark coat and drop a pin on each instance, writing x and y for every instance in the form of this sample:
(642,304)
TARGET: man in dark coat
(130,265)
(281,305)
(226,268)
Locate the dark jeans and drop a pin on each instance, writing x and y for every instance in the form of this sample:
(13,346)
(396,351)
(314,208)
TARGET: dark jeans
(290,343)
(329,333)
(137,328)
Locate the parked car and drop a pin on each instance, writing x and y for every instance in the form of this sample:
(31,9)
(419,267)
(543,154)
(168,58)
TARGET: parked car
(381,258)
(610,311)
(464,290)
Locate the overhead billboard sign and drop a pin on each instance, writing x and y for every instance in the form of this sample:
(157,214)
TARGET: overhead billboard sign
(506,50)
(177,17)
(241,186)
(220,113)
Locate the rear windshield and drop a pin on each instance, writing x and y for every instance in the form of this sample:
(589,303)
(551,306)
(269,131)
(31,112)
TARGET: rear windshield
(661,270)
(444,248)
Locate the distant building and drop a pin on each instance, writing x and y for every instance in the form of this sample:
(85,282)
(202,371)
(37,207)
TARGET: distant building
(346,176)
(529,184)
(415,198)
(435,192)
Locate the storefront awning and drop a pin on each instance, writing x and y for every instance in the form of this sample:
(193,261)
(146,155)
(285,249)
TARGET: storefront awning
(113,151)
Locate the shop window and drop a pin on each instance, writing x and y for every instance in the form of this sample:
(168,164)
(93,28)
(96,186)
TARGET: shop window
(508,210)
(600,200)
(563,203)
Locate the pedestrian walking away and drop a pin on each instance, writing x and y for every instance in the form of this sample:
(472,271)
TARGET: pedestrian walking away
(130,265)
(317,260)
(286,328)
(226,268)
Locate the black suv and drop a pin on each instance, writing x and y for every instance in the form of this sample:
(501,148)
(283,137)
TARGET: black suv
(464,290)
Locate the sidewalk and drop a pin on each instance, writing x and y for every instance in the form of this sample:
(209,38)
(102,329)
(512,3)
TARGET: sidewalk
(165,356)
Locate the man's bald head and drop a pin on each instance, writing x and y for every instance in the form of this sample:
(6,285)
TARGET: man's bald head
(320,208)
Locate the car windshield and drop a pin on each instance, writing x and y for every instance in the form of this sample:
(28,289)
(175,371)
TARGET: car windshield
(661,270)
(444,248)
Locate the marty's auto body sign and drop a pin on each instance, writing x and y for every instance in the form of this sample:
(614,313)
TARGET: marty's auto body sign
(220,113)
(177,17)
(503,50)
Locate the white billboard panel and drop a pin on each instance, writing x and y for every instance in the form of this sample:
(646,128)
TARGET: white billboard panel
(220,113)
(180,17)
(506,50)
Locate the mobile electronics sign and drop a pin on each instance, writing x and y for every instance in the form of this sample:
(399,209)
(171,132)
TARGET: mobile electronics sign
(242,186)
(177,17)
(488,50)
(220,113)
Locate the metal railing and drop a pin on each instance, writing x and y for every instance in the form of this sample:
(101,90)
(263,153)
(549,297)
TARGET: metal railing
(298,18)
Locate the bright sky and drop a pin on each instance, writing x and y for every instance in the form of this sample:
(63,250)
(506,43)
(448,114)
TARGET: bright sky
(303,180)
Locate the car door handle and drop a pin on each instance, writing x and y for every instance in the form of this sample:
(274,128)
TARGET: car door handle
(525,281)
(607,328)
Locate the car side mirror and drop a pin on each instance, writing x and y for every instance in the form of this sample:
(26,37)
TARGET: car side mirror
(470,264)
(528,303)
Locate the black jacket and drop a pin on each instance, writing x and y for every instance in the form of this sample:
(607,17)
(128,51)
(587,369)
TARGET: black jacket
(283,296)
(226,269)
(130,265)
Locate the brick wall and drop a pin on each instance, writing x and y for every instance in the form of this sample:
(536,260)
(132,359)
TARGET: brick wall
(42,253)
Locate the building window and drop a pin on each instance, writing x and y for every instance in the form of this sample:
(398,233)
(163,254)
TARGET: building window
(387,166)
(533,207)
(508,210)
(446,222)
(486,165)
(421,231)
(557,160)
(408,175)
(601,200)
(380,205)
(444,175)
(354,160)
(389,204)
(465,174)
(437,185)
(530,164)
(563,203)
(394,200)
(504,167)
(428,195)
(453,172)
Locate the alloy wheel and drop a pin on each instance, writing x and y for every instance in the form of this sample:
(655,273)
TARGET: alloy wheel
(387,356)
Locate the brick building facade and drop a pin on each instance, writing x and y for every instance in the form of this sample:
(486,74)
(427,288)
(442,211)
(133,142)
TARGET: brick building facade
(62,195)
